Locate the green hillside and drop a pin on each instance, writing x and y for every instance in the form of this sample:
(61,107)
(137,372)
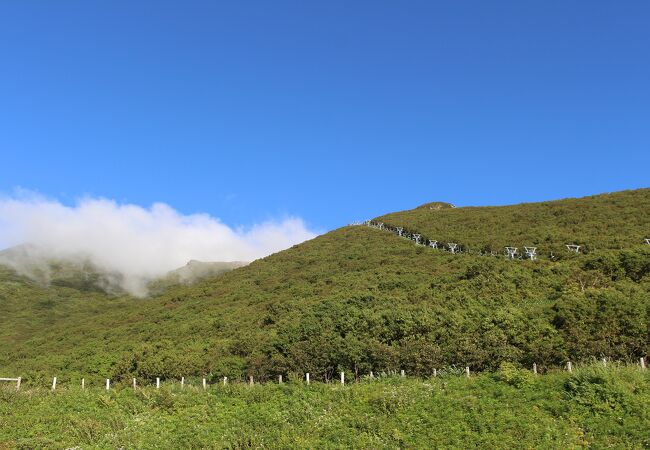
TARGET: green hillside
(359,299)
(609,221)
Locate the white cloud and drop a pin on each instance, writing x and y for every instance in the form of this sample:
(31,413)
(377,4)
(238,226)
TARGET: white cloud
(138,243)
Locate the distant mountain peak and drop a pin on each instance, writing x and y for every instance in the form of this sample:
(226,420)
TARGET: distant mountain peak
(196,270)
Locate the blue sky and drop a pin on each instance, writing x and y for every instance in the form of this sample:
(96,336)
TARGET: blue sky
(331,111)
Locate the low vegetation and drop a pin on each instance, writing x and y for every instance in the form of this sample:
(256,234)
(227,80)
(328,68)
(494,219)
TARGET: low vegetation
(511,408)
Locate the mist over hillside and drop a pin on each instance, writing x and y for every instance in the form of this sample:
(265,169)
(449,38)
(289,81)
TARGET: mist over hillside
(79,272)
(125,247)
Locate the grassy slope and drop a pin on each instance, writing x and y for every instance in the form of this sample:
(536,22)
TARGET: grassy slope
(601,408)
(359,299)
(607,221)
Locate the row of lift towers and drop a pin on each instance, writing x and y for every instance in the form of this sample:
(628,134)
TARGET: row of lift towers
(511,252)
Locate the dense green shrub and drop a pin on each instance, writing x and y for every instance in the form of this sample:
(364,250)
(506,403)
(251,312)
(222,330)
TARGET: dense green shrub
(515,376)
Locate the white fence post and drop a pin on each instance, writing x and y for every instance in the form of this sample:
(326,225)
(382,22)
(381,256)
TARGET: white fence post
(535,368)
(54,383)
(342,377)
(642,362)
(467,371)
(225,381)
(279,379)
(569,366)
(157,382)
(17,380)
(435,373)
(402,373)
(605,362)
(108,384)
(135,384)
(307,377)
(182,382)
(83,383)
(250,380)
(205,385)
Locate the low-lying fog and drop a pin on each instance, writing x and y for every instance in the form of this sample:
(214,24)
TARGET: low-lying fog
(134,243)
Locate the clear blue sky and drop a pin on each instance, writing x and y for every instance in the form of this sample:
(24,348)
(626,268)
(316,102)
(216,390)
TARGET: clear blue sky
(330,110)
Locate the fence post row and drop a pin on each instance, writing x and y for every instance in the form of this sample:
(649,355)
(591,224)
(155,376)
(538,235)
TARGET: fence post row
(569,368)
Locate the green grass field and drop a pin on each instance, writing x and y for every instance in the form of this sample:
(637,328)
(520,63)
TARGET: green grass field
(592,407)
